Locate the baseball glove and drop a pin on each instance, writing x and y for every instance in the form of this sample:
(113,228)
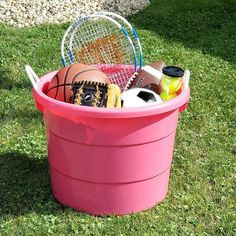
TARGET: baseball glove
(96,94)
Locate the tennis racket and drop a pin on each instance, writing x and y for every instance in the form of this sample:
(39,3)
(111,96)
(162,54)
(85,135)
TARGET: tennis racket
(101,41)
(131,30)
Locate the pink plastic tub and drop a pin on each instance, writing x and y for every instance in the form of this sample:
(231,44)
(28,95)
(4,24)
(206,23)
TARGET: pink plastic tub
(109,161)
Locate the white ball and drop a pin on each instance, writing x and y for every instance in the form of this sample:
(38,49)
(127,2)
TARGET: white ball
(139,97)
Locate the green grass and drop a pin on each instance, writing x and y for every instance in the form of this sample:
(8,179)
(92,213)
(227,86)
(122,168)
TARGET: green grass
(199,35)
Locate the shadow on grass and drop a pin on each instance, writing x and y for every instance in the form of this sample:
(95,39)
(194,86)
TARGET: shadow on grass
(202,24)
(26,115)
(38,46)
(25,186)
(9,77)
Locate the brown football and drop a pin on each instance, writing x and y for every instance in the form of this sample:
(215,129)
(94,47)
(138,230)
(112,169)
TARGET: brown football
(149,77)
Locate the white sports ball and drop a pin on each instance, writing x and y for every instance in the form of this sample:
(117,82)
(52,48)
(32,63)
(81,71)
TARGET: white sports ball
(139,97)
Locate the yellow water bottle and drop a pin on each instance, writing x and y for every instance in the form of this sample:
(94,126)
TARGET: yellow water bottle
(171,82)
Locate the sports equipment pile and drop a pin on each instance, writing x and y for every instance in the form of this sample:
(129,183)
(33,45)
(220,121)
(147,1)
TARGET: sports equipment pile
(103,67)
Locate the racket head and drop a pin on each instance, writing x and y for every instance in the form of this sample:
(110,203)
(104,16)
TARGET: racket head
(101,41)
(131,30)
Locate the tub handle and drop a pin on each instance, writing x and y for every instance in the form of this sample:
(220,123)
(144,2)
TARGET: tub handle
(186,87)
(186,79)
(34,79)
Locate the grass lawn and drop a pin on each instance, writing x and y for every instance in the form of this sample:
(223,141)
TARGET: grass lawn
(199,35)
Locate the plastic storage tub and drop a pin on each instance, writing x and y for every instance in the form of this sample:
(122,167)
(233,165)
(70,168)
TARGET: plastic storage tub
(109,161)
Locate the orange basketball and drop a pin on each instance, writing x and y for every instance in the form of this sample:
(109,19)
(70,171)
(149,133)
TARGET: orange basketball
(60,85)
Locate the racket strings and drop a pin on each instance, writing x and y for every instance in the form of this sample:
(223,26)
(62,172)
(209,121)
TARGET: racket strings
(118,74)
(101,44)
(136,42)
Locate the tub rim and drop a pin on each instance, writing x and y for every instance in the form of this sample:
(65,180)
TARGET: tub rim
(44,102)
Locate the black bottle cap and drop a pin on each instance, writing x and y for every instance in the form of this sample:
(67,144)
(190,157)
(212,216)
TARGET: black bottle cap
(173,71)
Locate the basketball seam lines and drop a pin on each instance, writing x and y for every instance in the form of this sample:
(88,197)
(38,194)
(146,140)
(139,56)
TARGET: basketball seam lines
(57,86)
(60,85)
(81,73)
(65,82)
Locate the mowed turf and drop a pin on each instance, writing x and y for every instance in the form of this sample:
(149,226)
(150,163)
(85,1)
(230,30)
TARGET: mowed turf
(199,35)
